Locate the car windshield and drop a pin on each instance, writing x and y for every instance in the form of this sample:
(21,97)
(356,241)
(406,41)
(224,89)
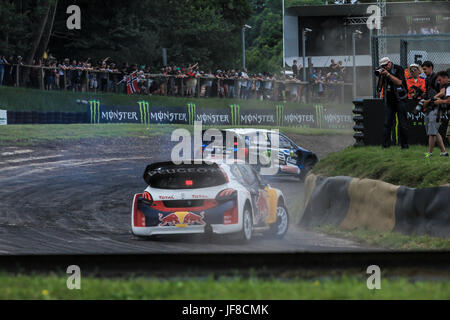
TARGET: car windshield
(184,176)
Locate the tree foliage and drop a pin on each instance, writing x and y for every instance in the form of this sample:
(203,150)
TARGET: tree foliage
(265,52)
(204,31)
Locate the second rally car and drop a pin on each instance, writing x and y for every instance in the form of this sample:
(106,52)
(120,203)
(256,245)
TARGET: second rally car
(207,198)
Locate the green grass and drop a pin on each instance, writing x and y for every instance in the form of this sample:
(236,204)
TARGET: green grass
(394,165)
(389,240)
(35,134)
(22,99)
(346,287)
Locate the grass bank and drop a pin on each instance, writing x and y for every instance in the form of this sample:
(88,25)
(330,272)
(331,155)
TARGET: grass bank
(34,134)
(393,165)
(389,240)
(347,287)
(22,99)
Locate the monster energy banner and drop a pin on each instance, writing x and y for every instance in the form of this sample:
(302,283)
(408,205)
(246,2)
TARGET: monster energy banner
(213,116)
(167,115)
(144,113)
(141,113)
(319,117)
(258,117)
(113,114)
(301,118)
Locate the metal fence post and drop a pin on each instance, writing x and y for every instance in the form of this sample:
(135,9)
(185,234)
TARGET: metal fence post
(375,59)
(87,81)
(18,75)
(65,80)
(166,82)
(41,82)
(404,53)
(199,79)
(182,87)
(218,88)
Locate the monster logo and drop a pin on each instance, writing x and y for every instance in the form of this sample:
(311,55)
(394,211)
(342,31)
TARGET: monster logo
(94,106)
(144,109)
(191,112)
(235,112)
(319,115)
(280,112)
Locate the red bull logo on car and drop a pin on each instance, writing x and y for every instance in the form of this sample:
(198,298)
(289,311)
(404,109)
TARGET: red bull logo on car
(181,219)
(262,206)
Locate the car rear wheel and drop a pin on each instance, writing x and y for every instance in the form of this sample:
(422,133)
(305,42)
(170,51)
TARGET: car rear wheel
(247,225)
(281,225)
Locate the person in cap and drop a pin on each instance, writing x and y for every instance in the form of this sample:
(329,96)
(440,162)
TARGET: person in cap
(391,79)
(416,85)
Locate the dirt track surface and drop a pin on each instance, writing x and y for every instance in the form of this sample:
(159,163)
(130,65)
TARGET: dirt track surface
(71,198)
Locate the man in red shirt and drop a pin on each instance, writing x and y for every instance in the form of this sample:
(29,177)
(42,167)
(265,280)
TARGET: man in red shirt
(414,82)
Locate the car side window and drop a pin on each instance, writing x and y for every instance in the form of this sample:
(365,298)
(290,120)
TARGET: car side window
(284,143)
(236,173)
(291,143)
(247,174)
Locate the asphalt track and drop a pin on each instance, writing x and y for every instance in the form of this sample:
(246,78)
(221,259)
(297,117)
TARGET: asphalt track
(76,199)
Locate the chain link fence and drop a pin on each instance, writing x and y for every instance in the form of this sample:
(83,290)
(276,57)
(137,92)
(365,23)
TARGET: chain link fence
(404,49)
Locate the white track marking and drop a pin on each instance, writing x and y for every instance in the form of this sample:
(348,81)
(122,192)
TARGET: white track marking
(48,166)
(12,153)
(29,159)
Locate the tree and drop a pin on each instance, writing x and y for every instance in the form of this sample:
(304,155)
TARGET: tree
(38,35)
(265,52)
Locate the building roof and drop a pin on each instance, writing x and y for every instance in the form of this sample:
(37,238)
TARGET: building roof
(357,10)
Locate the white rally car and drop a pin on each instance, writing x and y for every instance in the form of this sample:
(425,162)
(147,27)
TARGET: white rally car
(203,198)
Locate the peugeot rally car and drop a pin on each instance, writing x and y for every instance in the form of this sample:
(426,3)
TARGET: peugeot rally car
(292,159)
(203,198)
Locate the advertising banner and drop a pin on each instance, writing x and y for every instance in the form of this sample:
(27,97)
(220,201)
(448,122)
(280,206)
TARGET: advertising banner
(258,117)
(316,117)
(210,117)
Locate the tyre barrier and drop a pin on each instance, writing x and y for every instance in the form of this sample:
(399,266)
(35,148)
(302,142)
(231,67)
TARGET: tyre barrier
(34,117)
(350,203)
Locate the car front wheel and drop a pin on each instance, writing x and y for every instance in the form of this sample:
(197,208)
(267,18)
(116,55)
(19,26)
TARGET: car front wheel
(280,227)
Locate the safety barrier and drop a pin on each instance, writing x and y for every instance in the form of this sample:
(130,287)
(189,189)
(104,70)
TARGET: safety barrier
(34,117)
(350,203)
(317,116)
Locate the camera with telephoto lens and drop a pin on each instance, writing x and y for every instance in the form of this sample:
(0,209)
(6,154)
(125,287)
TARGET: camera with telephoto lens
(421,107)
(378,71)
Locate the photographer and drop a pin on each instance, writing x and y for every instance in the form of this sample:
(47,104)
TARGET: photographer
(431,84)
(392,84)
(443,101)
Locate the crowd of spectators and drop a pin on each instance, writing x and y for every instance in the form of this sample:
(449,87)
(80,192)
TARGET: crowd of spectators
(325,81)
(424,30)
(107,76)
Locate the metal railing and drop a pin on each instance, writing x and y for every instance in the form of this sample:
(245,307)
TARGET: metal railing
(90,80)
